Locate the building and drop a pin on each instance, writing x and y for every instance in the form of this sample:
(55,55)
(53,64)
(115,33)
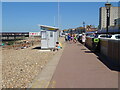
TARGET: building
(49,36)
(103,18)
(117,22)
(91,29)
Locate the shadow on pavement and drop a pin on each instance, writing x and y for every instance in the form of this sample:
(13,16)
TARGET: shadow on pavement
(107,62)
(37,48)
(103,59)
(88,52)
(83,49)
(79,44)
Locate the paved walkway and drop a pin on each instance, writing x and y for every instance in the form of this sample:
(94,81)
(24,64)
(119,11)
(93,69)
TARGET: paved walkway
(80,68)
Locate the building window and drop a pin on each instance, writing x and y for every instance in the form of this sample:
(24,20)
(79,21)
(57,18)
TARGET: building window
(44,36)
(43,28)
(51,34)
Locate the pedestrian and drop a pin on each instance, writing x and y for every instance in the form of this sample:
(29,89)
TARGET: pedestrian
(72,38)
(69,37)
(66,38)
(83,38)
(80,38)
(95,44)
(75,38)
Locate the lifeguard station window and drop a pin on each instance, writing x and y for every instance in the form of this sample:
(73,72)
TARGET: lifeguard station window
(51,34)
(43,28)
(44,35)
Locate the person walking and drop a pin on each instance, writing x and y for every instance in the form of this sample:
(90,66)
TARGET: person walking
(66,38)
(83,38)
(72,38)
(69,37)
(75,38)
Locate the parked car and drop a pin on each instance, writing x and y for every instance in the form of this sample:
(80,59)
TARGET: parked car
(90,35)
(104,36)
(115,36)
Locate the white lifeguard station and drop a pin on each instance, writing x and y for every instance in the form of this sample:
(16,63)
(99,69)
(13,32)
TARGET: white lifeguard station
(49,36)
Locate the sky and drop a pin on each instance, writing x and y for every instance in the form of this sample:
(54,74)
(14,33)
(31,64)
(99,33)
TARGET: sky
(59,0)
(26,16)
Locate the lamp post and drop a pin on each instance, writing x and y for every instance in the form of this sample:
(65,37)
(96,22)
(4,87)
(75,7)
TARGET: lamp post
(84,26)
(107,5)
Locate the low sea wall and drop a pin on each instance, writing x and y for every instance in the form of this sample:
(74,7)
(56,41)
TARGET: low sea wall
(109,48)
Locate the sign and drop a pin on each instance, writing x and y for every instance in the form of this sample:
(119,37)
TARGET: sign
(34,33)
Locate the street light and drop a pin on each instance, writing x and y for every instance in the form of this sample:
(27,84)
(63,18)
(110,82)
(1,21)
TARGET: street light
(84,26)
(107,5)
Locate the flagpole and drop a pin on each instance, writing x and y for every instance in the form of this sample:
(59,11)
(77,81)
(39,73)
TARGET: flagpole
(54,21)
(58,13)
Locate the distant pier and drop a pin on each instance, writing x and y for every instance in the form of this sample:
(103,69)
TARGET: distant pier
(8,36)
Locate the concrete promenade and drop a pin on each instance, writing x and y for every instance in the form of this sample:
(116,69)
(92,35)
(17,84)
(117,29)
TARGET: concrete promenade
(78,67)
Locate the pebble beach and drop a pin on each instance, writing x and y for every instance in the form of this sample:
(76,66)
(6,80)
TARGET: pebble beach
(20,67)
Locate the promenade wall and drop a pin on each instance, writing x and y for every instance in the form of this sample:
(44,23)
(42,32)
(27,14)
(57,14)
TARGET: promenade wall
(109,48)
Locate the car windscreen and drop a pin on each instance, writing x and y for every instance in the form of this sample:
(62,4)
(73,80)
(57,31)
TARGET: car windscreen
(117,37)
(106,36)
